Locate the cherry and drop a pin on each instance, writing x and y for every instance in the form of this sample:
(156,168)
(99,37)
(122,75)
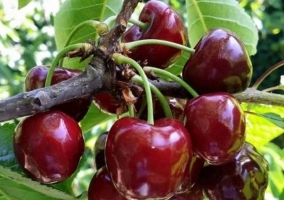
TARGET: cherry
(191,176)
(195,193)
(164,24)
(147,161)
(100,150)
(216,123)
(48,146)
(106,102)
(245,177)
(101,187)
(220,63)
(36,77)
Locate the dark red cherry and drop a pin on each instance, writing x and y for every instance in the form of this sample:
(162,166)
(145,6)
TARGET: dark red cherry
(147,161)
(36,77)
(101,187)
(220,63)
(106,102)
(164,24)
(191,176)
(48,146)
(246,177)
(216,123)
(195,193)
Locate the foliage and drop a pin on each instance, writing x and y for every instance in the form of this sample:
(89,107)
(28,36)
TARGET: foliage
(29,44)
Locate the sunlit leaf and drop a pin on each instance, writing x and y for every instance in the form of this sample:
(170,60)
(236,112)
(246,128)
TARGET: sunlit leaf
(177,67)
(204,15)
(23,3)
(15,186)
(74,12)
(94,117)
(264,125)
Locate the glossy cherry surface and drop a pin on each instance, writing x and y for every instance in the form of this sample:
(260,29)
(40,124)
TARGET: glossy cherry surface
(246,177)
(216,123)
(191,176)
(164,24)
(220,64)
(36,77)
(195,193)
(147,161)
(106,102)
(101,187)
(48,146)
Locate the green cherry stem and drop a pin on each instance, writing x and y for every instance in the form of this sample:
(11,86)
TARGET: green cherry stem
(91,23)
(136,22)
(60,55)
(120,59)
(172,77)
(131,110)
(131,45)
(266,73)
(158,94)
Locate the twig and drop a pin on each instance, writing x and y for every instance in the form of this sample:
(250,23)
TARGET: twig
(40,100)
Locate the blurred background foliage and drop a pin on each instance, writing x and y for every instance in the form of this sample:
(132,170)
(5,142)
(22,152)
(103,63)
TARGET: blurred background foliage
(26,40)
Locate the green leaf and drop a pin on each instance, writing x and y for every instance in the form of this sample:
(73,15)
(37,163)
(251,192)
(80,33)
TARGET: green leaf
(177,67)
(263,126)
(7,157)
(23,3)
(204,15)
(74,12)
(14,186)
(94,117)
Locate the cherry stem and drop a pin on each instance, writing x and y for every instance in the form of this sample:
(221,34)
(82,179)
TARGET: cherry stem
(279,87)
(120,59)
(131,110)
(266,73)
(136,22)
(92,23)
(131,45)
(158,94)
(60,55)
(173,77)
(142,25)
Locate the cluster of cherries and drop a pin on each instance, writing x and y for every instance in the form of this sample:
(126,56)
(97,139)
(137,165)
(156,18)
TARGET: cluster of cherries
(199,153)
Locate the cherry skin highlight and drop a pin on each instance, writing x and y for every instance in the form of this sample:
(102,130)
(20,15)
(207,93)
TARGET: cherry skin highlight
(163,24)
(48,146)
(245,177)
(220,63)
(147,161)
(216,123)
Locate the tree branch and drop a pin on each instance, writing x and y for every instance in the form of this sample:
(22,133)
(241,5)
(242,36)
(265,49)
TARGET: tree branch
(40,100)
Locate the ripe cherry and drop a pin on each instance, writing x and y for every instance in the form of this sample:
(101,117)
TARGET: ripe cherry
(220,63)
(191,176)
(216,123)
(245,177)
(164,24)
(48,146)
(36,77)
(147,161)
(106,102)
(101,187)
